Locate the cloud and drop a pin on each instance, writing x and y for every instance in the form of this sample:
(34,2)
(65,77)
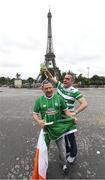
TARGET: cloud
(78,36)
(25,43)
(9,65)
(4,50)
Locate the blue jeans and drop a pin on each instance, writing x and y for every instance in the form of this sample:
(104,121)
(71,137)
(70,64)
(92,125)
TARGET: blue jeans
(71,146)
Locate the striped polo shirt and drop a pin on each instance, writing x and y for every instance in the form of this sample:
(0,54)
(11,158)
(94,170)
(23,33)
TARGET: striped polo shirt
(69,94)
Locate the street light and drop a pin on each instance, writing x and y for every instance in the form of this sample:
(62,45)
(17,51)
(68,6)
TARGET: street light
(88,68)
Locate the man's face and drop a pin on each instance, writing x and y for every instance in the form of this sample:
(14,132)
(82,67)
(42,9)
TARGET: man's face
(48,89)
(68,80)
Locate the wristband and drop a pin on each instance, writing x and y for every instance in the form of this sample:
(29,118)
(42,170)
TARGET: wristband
(76,112)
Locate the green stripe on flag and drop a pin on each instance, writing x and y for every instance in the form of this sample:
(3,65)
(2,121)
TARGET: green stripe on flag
(58,128)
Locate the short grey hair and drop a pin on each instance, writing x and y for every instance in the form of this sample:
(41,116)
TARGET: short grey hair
(72,74)
(45,82)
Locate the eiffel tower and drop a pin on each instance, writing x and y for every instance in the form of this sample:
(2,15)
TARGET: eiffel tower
(49,56)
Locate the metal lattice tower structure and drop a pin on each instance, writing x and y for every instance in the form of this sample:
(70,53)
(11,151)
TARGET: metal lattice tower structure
(50,56)
(49,35)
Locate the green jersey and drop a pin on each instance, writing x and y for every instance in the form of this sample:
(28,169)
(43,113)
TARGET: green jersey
(69,94)
(51,108)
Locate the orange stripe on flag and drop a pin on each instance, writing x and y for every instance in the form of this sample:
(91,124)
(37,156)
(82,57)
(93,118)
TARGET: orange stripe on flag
(41,159)
(35,171)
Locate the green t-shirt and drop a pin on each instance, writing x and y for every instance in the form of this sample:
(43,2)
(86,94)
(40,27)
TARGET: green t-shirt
(51,108)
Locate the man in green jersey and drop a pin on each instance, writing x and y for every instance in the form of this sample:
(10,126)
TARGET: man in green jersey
(50,107)
(70,95)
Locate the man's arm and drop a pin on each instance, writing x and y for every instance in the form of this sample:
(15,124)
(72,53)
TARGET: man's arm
(71,115)
(82,105)
(49,75)
(37,118)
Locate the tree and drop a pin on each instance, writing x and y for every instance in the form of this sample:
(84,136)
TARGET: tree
(30,80)
(97,80)
(3,80)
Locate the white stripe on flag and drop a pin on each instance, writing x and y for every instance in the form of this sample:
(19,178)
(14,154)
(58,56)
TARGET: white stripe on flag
(41,162)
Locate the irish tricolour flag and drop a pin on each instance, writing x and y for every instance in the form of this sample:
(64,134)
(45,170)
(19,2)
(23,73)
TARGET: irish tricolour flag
(41,158)
(52,131)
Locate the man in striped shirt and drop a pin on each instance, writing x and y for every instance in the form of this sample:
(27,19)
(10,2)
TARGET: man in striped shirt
(70,95)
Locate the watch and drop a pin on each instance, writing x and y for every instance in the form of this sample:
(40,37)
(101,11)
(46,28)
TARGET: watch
(76,112)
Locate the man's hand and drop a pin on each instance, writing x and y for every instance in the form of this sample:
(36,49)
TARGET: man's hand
(43,68)
(38,119)
(75,120)
(73,114)
(41,123)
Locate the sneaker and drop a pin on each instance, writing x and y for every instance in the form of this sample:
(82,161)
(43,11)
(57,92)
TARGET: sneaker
(65,169)
(71,159)
(67,155)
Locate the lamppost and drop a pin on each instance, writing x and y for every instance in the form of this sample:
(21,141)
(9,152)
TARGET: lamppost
(88,68)
(88,71)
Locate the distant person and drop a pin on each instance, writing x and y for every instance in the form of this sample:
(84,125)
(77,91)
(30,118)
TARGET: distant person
(50,107)
(70,95)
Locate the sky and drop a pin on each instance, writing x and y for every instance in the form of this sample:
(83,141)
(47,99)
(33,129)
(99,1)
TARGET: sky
(78,31)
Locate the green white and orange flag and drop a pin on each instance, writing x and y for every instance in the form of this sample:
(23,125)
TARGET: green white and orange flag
(41,159)
(52,131)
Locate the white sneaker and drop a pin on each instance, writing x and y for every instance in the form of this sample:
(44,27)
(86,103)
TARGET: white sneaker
(71,159)
(65,169)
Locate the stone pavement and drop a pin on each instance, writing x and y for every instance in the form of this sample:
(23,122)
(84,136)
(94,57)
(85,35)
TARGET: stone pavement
(19,135)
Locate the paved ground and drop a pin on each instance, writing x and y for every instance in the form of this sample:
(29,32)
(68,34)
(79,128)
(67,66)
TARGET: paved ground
(19,134)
